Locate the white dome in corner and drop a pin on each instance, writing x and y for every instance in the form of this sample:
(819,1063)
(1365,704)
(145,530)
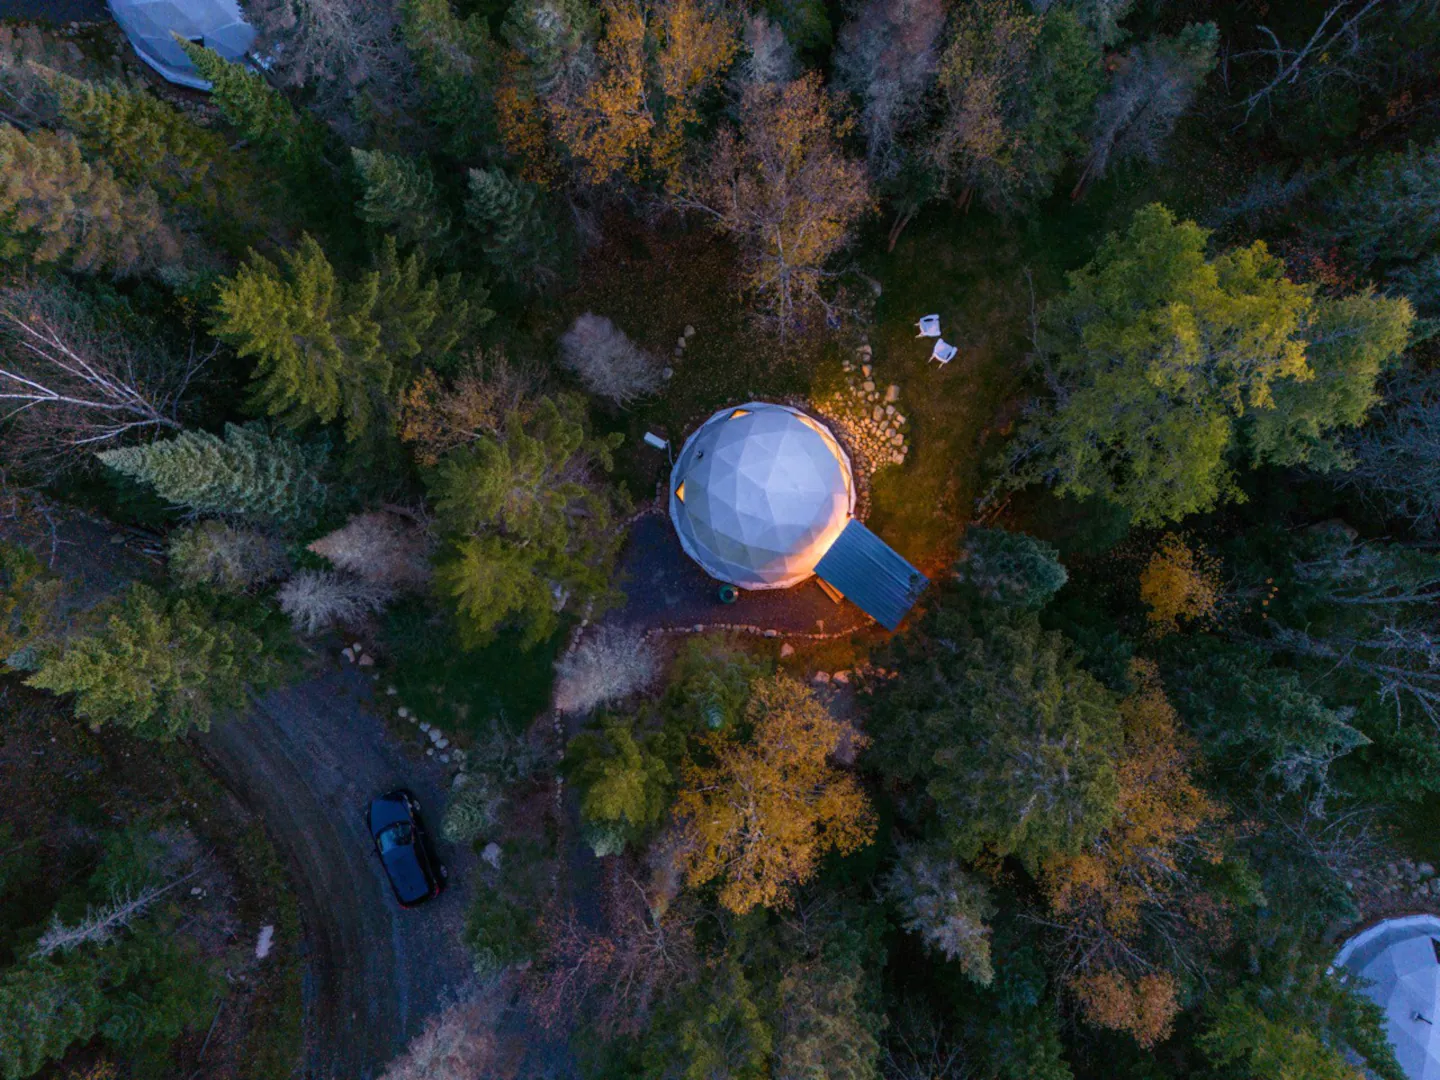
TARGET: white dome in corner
(759,493)
(1396,964)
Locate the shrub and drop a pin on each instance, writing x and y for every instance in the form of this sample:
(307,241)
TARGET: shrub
(609,364)
(610,664)
(318,599)
(472,811)
(381,548)
(229,560)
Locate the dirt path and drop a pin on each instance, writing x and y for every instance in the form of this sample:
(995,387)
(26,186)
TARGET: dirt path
(307,758)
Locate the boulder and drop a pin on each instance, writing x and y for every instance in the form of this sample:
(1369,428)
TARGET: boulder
(892,393)
(491,855)
(689,331)
(786,650)
(821,677)
(865,369)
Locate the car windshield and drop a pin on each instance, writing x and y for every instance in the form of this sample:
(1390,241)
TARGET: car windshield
(397,835)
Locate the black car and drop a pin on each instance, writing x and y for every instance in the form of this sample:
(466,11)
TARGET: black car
(404,849)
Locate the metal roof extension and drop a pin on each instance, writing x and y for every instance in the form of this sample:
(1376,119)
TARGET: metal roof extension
(872,575)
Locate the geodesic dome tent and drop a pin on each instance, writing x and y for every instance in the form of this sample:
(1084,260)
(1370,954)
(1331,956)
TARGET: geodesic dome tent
(759,494)
(1396,964)
(150,25)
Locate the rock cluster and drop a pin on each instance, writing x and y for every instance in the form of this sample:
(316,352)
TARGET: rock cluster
(866,417)
(1401,880)
(438,740)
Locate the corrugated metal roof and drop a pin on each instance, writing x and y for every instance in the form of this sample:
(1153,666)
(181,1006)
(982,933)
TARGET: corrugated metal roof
(872,574)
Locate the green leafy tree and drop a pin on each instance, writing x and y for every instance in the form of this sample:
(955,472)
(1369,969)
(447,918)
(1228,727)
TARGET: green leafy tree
(56,207)
(710,684)
(247,473)
(625,784)
(1013,742)
(1159,354)
(326,348)
(157,667)
(823,1029)
(398,197)
(1297,1021)
(718,1028)
(531,528)
(1011,568)
(515,235)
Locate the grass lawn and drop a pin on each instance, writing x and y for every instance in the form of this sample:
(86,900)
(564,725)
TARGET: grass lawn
(463,691)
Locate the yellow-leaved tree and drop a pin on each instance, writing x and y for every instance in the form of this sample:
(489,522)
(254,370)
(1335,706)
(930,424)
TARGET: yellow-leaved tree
(1129,895)
(761,813)
(1179,584)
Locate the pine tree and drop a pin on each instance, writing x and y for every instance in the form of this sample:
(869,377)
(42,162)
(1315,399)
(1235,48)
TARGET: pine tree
(455,60)
(261,114)
(147,141)
(55,207)
(155,667)
(325,348)
(516,236)
(247,473)
(530,526)
(398,197)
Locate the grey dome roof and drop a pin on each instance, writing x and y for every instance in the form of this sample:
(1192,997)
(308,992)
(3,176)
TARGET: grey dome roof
(216,24)
(1399,963)
(759,493)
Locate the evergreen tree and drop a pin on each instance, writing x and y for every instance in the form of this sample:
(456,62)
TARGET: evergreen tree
(262,115)
(247,473)
(398,197)
(148,141)
(531,528)
(55,207)
(516,236)
(1013,742)
(156,667)
(947,906)
(455,59)
(1011,568)
(1389,210)
(325,348)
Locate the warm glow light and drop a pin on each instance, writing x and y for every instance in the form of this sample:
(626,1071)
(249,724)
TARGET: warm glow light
(680,491)
(739,413)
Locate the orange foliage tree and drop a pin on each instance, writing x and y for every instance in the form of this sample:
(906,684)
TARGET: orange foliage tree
(762,814)
(1130,887)
(629,119)
(784,189)
(1178,584)
(436,417)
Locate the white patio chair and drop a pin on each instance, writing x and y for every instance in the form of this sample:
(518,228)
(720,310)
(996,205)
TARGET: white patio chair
(943,352)
(929,326)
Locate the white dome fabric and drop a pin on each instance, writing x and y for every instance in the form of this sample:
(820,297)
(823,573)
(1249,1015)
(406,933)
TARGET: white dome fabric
(216,24)
(759,493)
(1399,963)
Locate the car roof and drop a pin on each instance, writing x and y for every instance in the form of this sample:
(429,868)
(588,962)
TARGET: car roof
(406,875)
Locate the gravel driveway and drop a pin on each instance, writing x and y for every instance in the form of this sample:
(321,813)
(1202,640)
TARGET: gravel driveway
(306,759)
